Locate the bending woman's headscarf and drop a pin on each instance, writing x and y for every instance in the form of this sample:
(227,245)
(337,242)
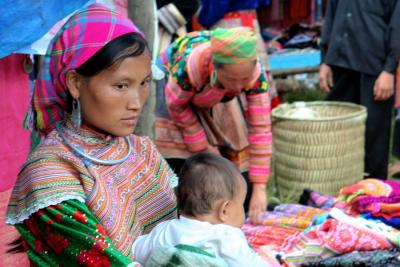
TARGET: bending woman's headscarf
(84,34)
(234,46)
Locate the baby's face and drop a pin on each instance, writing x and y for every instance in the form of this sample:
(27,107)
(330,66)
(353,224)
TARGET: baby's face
(236,214)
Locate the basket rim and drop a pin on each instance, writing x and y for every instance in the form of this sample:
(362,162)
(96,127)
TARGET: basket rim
(361,110)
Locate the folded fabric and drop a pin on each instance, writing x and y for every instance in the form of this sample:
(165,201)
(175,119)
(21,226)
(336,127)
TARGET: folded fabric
(375,227)
(314,199)
(286,221)
(273,236)
(370,187)
(299,210)
(381,198)
(376,258)
(395,221)
(388,210)
(317,200)
(183,256)
(331,238)
(375,204)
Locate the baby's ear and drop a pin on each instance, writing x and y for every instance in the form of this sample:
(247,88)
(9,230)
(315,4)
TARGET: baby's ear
(223,210)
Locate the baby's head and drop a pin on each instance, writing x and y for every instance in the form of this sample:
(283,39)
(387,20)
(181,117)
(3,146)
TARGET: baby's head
(212,189)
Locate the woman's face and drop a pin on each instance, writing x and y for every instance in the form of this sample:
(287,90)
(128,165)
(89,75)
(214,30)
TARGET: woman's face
(235,77)
(111,101)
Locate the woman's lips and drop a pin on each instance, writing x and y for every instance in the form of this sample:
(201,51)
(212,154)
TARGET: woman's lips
(131,121)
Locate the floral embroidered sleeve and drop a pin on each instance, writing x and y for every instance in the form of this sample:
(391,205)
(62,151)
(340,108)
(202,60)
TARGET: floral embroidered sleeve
(68,234)
(258,117)
(179,93)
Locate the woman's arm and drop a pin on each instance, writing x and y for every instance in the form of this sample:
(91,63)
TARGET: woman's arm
(178,98)
(258,116)
(70,235)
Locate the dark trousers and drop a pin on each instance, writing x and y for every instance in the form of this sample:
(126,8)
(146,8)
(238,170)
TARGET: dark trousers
(396,136)
(176,165)
(358,88)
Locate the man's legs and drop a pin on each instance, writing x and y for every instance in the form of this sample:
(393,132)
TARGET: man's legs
(346,84)
(378,128)
(358,88)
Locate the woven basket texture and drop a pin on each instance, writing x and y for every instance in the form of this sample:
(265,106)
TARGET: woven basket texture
(323,152)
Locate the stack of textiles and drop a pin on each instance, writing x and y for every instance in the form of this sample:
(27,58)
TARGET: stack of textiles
(374,199)
(325,231)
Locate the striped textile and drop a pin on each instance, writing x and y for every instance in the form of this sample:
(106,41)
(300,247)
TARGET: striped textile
(285,222)
(178,131)
(128,199)
(85,33)
(302,233)
(329,239)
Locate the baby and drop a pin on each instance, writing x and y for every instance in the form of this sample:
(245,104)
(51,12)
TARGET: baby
(211,193)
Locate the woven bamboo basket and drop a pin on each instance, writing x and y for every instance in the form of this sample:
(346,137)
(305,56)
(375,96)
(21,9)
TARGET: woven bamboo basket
(323,150)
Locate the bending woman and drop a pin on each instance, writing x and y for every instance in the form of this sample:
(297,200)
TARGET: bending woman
(204,69)
(90,188)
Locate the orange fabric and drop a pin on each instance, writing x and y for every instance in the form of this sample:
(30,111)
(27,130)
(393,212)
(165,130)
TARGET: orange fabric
(393,209)
(371,187)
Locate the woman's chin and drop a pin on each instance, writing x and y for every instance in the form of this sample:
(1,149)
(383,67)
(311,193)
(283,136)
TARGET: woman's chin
(125,131)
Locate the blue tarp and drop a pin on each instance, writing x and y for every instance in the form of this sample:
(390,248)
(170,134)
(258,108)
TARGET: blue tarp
(25,21)
(295,60)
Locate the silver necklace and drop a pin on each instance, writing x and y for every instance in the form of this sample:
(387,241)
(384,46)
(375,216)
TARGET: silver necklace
(92,158)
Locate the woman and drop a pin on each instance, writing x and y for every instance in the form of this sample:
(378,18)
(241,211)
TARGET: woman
(90,188)
(236,13)
(206,68)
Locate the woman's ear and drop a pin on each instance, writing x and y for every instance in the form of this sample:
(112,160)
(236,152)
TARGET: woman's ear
(223,211)
(74,83)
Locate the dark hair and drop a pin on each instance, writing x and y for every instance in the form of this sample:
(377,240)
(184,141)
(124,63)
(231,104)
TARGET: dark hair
(127,45)
(204,179)
(217,64)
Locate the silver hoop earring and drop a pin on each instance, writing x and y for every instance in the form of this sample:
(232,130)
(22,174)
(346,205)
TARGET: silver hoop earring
(214,77)
(76,114)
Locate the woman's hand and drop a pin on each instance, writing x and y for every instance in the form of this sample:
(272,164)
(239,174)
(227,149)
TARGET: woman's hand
(258,203)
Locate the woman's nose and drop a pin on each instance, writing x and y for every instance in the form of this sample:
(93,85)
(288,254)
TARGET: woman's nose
(133,99)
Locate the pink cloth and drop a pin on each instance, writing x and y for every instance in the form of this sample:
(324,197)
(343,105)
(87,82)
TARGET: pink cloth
(14,101)
(329,239)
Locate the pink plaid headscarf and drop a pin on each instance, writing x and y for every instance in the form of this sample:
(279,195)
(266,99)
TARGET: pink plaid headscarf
(84,34)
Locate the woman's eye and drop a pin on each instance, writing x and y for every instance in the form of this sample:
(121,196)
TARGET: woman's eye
(121,85)
(145,82)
